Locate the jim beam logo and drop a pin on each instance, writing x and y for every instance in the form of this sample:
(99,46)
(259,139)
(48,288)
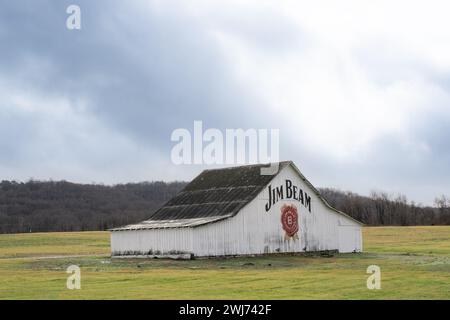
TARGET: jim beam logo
(289,221)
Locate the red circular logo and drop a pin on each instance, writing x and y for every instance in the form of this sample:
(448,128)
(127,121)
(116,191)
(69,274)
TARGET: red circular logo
(289,219)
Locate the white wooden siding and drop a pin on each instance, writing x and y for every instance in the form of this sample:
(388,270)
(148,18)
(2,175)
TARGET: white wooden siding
(153,241)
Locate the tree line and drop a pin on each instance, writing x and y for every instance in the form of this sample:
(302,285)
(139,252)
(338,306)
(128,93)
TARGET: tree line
(381,208)
(45,206)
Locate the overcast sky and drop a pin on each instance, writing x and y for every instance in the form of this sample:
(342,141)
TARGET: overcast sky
(360,90)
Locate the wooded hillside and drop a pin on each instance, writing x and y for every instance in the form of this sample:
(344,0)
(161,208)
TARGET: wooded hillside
(63,206)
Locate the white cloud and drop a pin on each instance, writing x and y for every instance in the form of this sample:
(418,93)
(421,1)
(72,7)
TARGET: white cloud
(327,93)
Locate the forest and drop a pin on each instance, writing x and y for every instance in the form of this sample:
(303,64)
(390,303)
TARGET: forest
(383,209)
(46,206)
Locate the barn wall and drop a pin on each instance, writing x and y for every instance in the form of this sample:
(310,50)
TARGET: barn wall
(155,241)
(255,231)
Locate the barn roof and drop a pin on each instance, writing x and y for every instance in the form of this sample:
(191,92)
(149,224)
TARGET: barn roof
(213,195)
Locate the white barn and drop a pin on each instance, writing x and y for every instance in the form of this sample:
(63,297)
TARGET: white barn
(238,211)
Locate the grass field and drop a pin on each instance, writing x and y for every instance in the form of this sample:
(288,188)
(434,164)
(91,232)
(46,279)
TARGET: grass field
(414,262)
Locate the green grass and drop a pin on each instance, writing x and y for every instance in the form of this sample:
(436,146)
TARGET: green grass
(414,262)
(53,244)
